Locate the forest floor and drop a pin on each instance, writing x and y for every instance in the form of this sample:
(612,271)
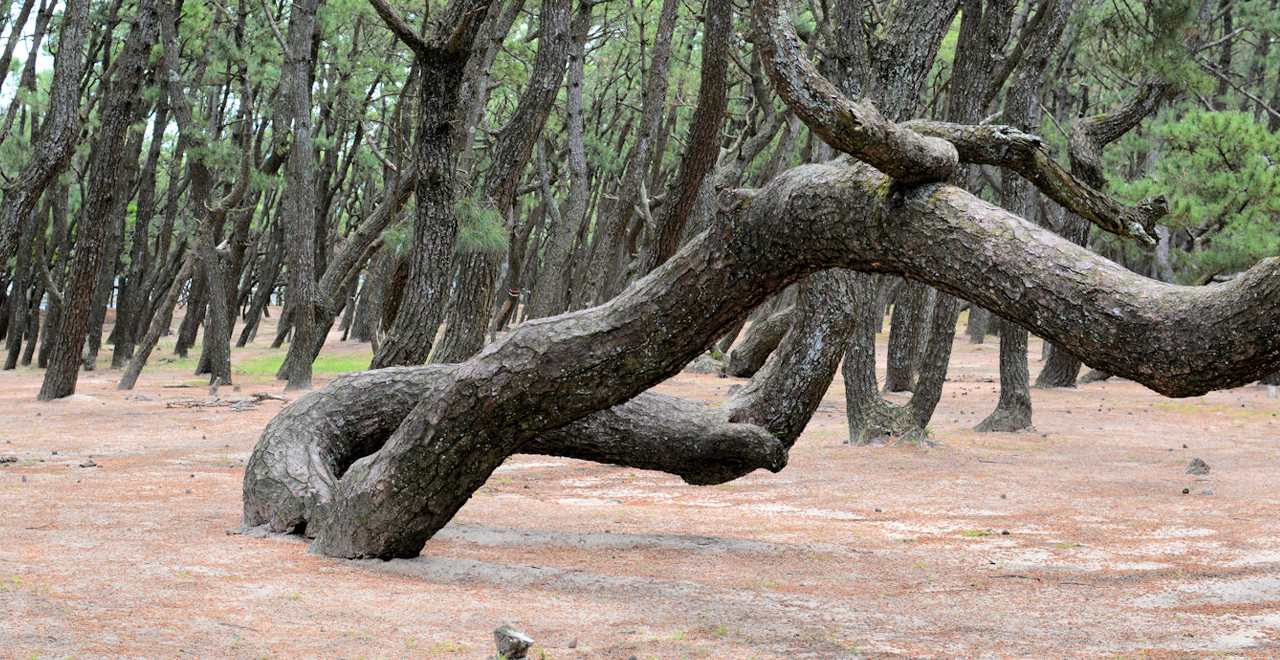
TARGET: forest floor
(1082,539)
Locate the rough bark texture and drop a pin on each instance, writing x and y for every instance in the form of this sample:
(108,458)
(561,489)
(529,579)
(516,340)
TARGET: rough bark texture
(1022,110)
(749,356)
(53,147)
(550,372)
(906,332)
(979,321)
(295,467)
(703,149)
(551,296)
(1013,411)
(472,305)
(300,190)
(105,165)
(1089,136)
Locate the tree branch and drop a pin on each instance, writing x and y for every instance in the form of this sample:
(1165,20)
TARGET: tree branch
(855,128)
(1181,341)
(1025,154)
(403,31)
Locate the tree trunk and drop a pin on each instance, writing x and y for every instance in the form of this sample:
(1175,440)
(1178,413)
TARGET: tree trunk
(472,303)
(299,201)
(703,148)
(761,340)
(905,336)
(550,372)
(53,147)
(118,108)
(435,227)
(551,294)
(1013,411)
(610,228)
(979,321)
(1022,110)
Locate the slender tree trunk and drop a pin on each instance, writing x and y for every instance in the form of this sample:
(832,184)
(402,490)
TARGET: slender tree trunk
(703,148)
(551,295)
(55,144)
(118,108)
(300,189)
(611,228)
(979,321)
(472,305)
(1022,110)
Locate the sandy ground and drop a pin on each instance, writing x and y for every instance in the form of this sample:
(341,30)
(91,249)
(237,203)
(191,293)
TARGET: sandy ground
(1073,541)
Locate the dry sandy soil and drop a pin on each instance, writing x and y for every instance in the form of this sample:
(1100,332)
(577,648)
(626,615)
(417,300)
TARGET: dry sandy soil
(1076,540)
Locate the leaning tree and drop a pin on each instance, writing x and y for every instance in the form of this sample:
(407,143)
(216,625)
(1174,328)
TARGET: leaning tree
(374,464)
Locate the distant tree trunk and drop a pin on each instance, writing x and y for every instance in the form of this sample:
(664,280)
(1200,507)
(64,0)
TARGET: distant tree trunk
(979,321)
(25,291)
(442,61)
(610,229)
(749,356)
(197,305)
(905,336)
(703,148)
(266,284)
(472,305)
(300,187)
(551,293)
(131,308)
(116,112)
(114,246)
(1022,110)
(54,145)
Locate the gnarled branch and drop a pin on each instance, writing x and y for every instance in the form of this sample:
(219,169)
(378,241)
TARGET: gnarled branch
(551,372)
(853,127)
(1025,154)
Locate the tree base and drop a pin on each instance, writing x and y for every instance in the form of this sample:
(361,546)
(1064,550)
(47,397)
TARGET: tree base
(1006,420)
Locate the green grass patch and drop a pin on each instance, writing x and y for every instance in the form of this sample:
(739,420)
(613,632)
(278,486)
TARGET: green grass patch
(268,365)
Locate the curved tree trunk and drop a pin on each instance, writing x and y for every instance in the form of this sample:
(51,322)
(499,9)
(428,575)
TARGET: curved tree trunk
(762,338)
(550,372)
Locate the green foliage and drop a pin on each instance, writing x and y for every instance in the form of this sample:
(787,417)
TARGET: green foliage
(1145,38)
(398,238)
(1221,171)
(480,228)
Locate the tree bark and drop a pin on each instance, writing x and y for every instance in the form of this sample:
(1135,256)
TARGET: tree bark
(472,304)
(105,165)
(441,61)
(610,228)
(299,202)
(55,144)
(547,373)
(551,295)
(703,148)
(764,336)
